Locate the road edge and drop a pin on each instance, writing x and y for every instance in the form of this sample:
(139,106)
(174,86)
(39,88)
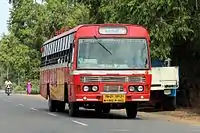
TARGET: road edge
(170,118)
(38,96)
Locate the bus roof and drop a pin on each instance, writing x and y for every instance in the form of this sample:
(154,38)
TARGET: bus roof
(86,25)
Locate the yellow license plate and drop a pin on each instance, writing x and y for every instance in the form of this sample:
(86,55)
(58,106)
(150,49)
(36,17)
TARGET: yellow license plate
(114,98)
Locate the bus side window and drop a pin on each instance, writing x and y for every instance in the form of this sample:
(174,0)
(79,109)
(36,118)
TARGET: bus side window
(51,59)
(62,56)
(70,58)
(71,48)
(42,61)
(55,58)
(46,60)
(66,55)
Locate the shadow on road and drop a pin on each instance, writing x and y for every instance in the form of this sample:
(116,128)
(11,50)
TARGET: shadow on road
(150,110)
(91,114)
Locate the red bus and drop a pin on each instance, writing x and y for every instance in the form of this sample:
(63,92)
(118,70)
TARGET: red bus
(97,66)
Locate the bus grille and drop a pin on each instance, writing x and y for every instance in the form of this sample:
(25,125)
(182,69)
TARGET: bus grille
(112,79)
(113,88)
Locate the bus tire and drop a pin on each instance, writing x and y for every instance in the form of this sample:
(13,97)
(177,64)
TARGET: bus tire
(106,109)
(131,110)
(98,110)
(169,103)
(52,105)
(73,109)
(61,106)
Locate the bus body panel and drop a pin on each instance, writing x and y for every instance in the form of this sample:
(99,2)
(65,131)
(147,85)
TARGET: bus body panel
(79,95)
(135,31)
(54,79)
(43,84)
(57,88)
(90,31)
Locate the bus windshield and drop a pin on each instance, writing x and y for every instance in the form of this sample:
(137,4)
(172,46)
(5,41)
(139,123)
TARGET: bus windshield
(112,53)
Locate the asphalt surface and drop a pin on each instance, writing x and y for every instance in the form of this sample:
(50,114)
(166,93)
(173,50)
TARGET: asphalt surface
(27,114)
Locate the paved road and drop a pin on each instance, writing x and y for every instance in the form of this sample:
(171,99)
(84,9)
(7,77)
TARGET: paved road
(27,114)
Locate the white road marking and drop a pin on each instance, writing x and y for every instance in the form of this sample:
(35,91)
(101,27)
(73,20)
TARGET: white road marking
(52,114)
(120,130)
(195,128)
(34,109)
(20,105)
(7,100)
(80,123)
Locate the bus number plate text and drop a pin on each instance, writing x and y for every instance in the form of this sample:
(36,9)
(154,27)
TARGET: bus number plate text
(114,98)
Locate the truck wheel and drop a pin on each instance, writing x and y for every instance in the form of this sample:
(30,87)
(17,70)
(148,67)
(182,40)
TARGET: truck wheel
(73,109)
(158,106)
(52,105)
(131,110)
(61,106)
(169,104)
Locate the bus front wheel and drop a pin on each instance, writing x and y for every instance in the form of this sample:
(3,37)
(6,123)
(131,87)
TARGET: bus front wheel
(106,108)
(131,110)
(73,109)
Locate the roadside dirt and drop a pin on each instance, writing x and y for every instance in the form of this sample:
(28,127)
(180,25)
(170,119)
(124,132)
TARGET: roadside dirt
(190,116)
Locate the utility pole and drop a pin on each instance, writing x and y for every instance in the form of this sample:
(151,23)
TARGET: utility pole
(18,80)
(7,70)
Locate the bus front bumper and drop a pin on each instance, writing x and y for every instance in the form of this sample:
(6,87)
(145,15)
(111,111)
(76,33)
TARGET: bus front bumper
(100,97)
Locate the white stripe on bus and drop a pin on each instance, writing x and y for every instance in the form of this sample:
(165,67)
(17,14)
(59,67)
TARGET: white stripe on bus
(104,72)
(140,99)
(53,66)
(95,72)
(89,99)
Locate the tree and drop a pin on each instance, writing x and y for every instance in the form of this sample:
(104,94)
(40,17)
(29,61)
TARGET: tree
(165,20)
(18,57)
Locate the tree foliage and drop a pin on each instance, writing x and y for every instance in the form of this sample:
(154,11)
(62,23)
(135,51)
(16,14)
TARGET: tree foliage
(32,23)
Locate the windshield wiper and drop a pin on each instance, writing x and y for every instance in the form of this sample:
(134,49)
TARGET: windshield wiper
(102,45)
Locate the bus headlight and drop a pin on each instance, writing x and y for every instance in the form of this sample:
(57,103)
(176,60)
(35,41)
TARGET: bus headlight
(86,88)
(140,88)
(95,88)
(131,88)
